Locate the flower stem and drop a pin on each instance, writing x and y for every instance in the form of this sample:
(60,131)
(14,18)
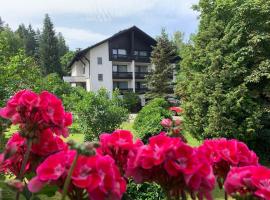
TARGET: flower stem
(67,181)
(25,160)
(225,196)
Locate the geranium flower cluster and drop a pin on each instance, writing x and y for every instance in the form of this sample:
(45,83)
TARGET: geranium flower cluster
(98,175)
(247,182)
(173,127)
(36,112)
(172,164)
(15,150)
(224,154)
(118,145)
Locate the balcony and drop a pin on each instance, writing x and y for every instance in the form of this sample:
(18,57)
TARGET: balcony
(74,79)
(141,75)
(122,75)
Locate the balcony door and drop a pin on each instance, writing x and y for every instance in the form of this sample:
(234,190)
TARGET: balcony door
(120,85)
(119,68)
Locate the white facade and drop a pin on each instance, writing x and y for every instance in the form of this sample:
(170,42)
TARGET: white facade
(83,74)
(121,61)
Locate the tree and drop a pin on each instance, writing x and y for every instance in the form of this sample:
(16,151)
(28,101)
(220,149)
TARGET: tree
(29,39)
(225,72)
(62,47)
(65,60)
(10,43)
(1,24)
(97,112)
(48,49)
(147,122)
(159,80)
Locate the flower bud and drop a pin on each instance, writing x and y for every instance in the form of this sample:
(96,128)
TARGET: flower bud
(16,185)
(166,123)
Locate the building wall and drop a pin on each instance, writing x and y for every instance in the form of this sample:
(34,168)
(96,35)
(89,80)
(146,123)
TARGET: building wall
(77,69)
(105,68)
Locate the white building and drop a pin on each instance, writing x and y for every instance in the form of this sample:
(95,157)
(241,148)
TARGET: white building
(121,61)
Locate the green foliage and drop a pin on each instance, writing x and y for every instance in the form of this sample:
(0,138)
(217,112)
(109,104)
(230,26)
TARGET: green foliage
(148,119)
(48,49)
(97,112)
(54,84)
(145,191)
(62,46)
(29,38)
(225,71)
(159,81)
(131,101)
(65,60)
(10,43)
(20,72)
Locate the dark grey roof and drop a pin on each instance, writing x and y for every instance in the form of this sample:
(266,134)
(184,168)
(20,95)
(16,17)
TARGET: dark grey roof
(81,53)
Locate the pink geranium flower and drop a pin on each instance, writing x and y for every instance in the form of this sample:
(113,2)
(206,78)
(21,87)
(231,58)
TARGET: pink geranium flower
(36,112)
(97,174)
(248,181)
(166,123)
(224,154)
(118,145)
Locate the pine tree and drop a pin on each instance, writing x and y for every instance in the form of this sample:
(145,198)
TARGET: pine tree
(1,24)
(62,47)
(30,42)
(48,49)
(159,81)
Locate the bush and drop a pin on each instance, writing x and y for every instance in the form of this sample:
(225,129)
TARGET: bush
(144,191)
(98,113)
(148,119)
(132,101)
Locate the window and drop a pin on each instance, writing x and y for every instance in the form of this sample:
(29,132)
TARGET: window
(122,68)
(119,68)
(99,60)
(114,68)
(114,51)
(141,53)
(141,68)
(83,70)
(120,84)
(100,77)
(122,52)
(119,53)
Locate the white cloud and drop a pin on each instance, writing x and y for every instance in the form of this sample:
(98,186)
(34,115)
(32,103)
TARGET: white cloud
(98,10)
(81,35)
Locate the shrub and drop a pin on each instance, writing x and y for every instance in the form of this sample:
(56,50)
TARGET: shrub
(132,101)
(149,191)
(148,119)
(98,113)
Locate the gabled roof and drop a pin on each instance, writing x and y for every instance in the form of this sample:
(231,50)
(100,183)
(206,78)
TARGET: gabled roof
(81,53)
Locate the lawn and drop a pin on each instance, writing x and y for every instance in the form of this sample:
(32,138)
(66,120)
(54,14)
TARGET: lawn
(78,137)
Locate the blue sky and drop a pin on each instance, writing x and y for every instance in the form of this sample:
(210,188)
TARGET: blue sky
(85,22)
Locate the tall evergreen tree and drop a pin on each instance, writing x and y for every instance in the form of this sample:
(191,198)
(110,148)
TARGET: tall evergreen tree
(159,81)
(30,42)
(1,24)
(48,49)
(62,47)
